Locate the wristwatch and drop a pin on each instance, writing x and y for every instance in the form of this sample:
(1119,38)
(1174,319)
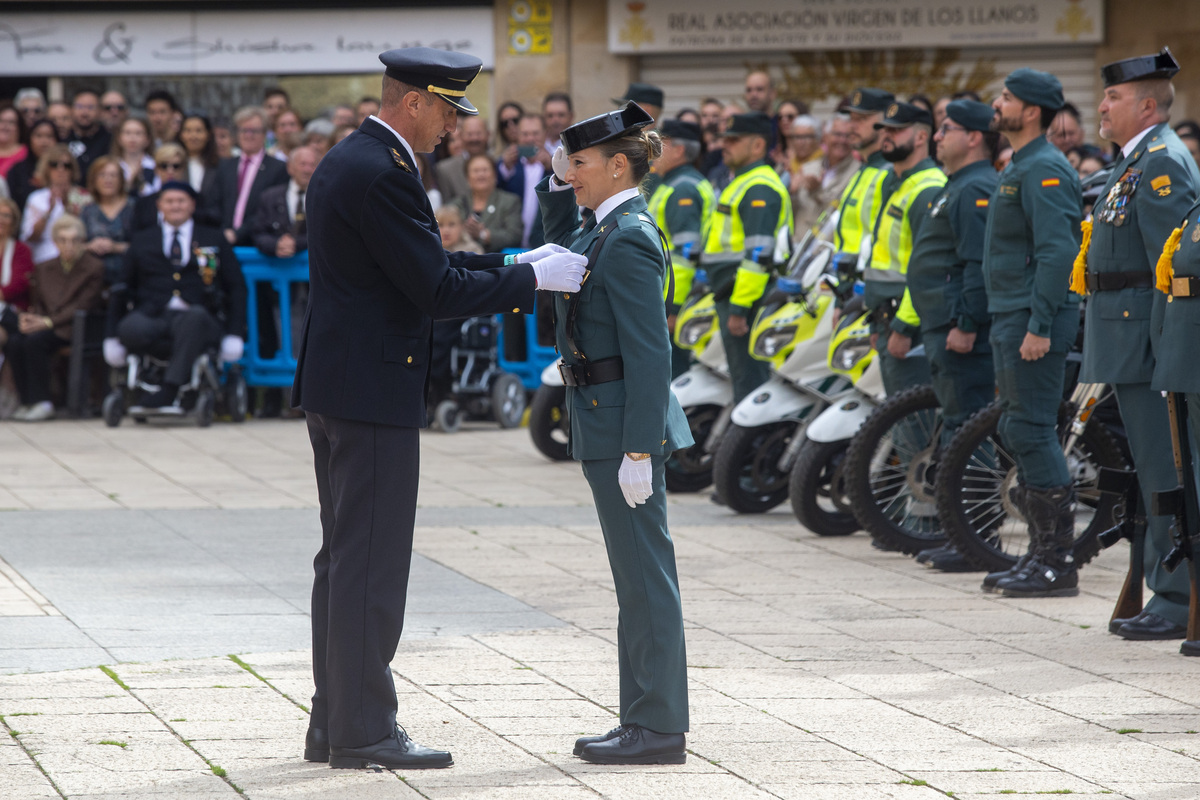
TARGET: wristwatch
(637,456)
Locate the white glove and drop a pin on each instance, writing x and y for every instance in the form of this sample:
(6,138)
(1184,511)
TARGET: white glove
(634,479)
(561,272)
(114,352)
(560,162)
(232,348)
(530,256)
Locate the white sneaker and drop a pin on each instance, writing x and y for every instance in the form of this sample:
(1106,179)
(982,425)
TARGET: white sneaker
(40,412)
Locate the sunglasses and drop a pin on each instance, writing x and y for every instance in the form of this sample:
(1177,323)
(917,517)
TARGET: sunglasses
(58,164)
(510,121)
(115,107)
(171,165)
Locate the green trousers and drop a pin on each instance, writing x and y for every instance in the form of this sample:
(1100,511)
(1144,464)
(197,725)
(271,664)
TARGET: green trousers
(899,373)
(964,382)
(1144,414)
(747,372)
(1030,393)
(650,647)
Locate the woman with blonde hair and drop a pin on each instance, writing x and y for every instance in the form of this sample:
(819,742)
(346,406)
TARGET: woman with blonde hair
(622,430)
(108,219)
(58,172)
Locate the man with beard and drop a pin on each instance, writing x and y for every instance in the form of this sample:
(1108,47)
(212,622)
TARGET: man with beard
(1031,242)
(870,187)
(1151,188)
(905,145)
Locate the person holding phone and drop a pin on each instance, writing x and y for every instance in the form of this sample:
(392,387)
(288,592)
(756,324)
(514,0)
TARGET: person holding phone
(522,166)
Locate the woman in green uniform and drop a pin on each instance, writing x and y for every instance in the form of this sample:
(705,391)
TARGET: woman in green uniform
(624,420)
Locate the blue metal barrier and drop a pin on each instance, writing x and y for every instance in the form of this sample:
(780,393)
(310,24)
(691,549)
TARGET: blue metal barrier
(280,273)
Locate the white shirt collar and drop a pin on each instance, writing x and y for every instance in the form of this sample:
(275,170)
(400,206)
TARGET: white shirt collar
(407,146)
(1134,142)
(185,239)
(609,205)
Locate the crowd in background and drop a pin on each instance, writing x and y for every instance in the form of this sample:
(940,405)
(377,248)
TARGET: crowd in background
(92,167)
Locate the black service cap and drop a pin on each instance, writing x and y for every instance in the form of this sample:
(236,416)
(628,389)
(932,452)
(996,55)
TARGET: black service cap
(753,123)
(901,115)
(442,72)
(866,100)
(646,94)
(1141,68)
(604,127)
(678,129)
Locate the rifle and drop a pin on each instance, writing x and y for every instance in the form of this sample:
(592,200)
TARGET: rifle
(1181,503)
(1130,523)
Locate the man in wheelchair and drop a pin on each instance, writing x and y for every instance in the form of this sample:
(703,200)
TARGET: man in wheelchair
(181,293)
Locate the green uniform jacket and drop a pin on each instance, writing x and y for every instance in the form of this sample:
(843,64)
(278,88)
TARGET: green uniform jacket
(1175,355)
(945,273)
(1033,235)
(1146,196)
(621,313)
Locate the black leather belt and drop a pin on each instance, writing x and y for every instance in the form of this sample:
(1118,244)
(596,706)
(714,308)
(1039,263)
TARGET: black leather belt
(593,372)
(1116,281)
(1185,286)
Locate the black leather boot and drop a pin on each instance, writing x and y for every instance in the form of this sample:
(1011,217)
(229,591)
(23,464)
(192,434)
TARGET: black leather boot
(1016,496)
(1052,571)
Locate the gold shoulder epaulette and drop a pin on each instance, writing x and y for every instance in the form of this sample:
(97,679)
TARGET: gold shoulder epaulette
(1156,148)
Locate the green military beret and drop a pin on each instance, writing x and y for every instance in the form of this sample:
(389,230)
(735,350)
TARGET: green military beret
(971,114)
(1036,88)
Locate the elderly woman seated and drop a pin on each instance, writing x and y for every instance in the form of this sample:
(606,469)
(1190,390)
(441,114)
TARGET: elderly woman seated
(58,288)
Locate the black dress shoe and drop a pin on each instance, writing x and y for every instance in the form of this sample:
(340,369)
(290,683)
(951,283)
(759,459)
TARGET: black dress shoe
(1115,624)
(886,547)
(638,745)
(316,745)
(584,741)
(396,751)
(1151,627)
(1190,648)
(950,560)
(924,556)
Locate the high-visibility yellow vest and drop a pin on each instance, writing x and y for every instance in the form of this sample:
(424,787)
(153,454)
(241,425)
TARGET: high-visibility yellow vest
(726,240)
(858,207)
(657,205)
(893,243)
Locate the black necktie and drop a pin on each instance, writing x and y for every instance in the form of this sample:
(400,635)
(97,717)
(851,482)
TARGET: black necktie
(176,249)
(298,220)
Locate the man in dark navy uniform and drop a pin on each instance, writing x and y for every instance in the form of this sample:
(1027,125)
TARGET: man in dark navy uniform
(379,276)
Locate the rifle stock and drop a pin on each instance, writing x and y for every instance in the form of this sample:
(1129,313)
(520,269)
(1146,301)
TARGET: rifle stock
(1130,524)
(1182,504)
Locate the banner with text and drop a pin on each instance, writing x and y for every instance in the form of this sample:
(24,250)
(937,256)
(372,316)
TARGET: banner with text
(286,41)
(665,26)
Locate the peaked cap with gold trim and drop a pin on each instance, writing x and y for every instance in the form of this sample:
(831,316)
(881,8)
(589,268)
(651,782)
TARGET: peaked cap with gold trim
(442,72)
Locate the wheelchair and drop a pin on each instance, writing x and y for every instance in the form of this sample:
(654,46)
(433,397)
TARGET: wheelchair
(212,389)
(480,388)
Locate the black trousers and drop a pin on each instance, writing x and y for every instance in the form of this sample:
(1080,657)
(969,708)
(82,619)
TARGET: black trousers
(187,333)
(30,354)
(367,485)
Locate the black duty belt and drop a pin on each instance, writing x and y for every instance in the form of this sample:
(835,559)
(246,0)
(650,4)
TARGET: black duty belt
(1116,281)
(593,372)
(1185,286)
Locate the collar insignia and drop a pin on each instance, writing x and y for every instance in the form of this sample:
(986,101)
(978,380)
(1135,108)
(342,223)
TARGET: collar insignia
(400,162)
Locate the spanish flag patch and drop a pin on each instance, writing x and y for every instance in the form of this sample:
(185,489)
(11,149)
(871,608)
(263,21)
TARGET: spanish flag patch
(981,203)
(1047,182)
(686,201)
(758,203)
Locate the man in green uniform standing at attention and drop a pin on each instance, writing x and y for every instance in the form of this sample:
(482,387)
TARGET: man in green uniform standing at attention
(906,131)
(1152,186)
(740,246)
(681,207)
(871,185)
(1031,242)
(945,282)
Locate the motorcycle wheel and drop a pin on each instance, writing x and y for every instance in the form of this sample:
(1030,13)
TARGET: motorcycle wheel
(746,470)
(816,489)
(548,422)
(690,470)
(977,471)
(890,469)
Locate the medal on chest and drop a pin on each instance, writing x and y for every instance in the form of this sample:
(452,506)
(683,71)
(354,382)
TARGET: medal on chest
(1115,208)
(206,262)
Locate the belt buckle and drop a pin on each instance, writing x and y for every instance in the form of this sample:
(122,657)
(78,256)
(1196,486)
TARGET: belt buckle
(1181,287)
(567,374)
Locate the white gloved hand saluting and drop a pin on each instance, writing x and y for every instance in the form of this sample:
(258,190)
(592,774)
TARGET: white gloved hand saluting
(232,348)
(560,272)
(530,256)
(634,478)
(559,161)
(114,352)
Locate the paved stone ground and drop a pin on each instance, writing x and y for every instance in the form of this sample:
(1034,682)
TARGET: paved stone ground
(153,596)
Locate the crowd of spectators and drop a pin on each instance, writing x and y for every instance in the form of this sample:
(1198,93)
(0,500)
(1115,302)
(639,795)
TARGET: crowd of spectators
(94,166)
